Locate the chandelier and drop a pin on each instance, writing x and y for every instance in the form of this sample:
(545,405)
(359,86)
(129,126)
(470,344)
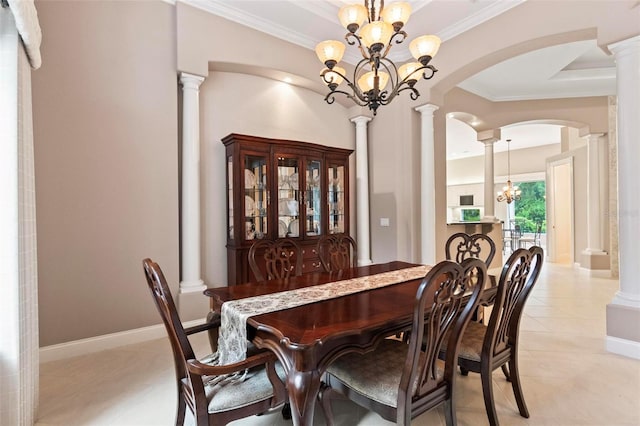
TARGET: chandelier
(509,192)
(375,72)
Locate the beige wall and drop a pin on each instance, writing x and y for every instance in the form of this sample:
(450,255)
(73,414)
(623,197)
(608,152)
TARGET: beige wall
(394,170)
(105,131)
(267,108)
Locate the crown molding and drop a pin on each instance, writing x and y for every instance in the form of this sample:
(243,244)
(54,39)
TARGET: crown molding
(227,11)
(482,16)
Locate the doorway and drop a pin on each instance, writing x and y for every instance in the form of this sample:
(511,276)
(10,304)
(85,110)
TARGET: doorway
(560,211)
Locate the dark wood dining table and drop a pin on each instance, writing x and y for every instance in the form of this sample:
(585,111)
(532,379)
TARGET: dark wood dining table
(306,339)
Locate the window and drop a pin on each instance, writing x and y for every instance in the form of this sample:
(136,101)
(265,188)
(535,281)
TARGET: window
(531,209)
(470,215)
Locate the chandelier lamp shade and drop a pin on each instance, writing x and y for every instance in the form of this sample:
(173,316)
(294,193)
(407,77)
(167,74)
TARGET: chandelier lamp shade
(376,79)
(509,192)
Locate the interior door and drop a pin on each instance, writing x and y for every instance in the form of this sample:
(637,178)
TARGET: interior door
(560,211)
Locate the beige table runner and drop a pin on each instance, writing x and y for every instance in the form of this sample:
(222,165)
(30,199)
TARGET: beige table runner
(232,341)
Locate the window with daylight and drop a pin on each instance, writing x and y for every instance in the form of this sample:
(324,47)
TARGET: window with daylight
(531,208)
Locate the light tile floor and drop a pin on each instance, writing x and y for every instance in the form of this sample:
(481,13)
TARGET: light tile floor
(568,376)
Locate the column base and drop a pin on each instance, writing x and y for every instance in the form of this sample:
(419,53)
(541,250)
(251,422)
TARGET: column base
(192,286)
(595,259)
(364,262)
(623,335)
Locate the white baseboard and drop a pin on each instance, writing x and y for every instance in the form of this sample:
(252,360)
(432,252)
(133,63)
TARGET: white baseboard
(624,347)
(107,341)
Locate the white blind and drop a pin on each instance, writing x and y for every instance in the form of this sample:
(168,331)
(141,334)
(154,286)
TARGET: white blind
(28,26)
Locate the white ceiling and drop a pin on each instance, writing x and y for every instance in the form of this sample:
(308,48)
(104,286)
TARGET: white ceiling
(571,70)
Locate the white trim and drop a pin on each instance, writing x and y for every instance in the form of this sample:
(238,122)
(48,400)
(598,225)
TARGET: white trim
(240,16)
(106,341)
(480,17)
(623,347)
(595,273)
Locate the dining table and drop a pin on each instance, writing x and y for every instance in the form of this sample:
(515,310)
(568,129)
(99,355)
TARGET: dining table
(308,337)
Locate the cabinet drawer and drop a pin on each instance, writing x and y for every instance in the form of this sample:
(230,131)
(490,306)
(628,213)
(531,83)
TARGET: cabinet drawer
(309,252)
(311,265)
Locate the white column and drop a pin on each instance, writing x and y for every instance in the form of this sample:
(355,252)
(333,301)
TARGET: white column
(627,55)
(362,190)
(427,185)
(623,314)
(489,183)
(595,176)
(190,212)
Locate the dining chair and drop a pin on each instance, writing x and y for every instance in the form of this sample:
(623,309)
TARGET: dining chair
(401,380)
(484,348)
(281,258)
(507,241)
(461,246)
(216,394)
(533,240)
(337,252)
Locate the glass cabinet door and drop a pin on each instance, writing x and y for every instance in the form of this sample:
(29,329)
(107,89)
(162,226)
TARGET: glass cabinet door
(289,192)
(255,197)
(336,198)
(312,198)
(230,202)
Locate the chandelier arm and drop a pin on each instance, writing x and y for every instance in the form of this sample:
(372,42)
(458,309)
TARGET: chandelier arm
(398,33)
(330,98)
(433,71)
(356,73)
(414,92)
(357,94)
(392,71)
(324,73)
(384,97)
(357,39)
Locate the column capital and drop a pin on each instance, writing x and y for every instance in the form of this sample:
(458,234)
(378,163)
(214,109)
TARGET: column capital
(190,81)
(427,109)
(621,46)
(593,136)
(360,120)
(490,136)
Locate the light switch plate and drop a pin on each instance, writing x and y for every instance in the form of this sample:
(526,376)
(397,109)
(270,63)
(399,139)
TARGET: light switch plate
(384,221)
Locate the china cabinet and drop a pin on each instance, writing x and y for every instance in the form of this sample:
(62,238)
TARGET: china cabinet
(282,189)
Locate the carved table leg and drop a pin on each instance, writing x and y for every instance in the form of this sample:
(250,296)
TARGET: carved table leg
(303,388)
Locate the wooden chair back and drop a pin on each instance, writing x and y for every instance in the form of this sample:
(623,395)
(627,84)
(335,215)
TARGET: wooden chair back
(277,259)
(519,274)
(461,246)
(190,372)
(443,294)
(337,252)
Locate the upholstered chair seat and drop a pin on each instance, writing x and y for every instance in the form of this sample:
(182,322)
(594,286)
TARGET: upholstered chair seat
(471,344)
(376,375)
(239,391)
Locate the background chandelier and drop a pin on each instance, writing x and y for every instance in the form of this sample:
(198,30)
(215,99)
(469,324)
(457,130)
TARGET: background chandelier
(509,192)
(368,86)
